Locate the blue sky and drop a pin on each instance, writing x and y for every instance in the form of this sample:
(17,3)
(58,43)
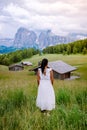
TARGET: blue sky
(61,16)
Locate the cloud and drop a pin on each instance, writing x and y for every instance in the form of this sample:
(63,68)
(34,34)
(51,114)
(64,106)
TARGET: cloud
(15,10)
(48,9)
(61,16)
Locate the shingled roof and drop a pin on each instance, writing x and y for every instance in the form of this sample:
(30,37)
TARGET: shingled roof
(26,63)
(61,67)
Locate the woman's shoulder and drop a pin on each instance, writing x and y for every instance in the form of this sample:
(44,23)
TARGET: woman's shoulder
(39,69)
(49,68)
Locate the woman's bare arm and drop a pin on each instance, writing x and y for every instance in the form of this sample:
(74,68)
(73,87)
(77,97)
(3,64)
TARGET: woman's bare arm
(51,77)
(38,77)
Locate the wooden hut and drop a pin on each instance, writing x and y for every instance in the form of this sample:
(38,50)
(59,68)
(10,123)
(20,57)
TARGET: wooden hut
(26,63)
(60,69)
(16,67)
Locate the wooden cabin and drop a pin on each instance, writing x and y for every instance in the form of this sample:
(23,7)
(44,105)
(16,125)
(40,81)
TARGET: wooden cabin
(26,63)
(60,69)
(16,67)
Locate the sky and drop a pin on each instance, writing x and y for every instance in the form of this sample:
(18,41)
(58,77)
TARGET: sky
(61,16)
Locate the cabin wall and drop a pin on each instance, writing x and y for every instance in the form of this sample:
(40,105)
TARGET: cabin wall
(16,68)
(56,75)
(61,76)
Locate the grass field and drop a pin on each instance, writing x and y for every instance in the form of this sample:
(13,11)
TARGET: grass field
(18,91)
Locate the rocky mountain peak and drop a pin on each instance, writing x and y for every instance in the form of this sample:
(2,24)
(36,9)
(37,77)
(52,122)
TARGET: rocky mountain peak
(24,38)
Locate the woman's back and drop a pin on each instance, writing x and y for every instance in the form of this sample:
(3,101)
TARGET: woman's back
(46,75)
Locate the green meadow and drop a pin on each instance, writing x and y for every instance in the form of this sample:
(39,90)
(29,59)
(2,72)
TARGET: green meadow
(18,91)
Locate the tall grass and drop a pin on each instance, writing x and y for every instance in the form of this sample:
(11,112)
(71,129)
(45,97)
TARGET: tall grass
(63,96)
(13,100)
(18,91)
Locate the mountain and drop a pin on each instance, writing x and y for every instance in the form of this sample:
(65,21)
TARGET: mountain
(77,36)
(6,42)
(4,49)
(47,38)
(25,38)
(6,45)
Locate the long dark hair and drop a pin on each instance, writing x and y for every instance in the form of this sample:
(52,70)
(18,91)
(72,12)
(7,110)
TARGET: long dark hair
(43,64)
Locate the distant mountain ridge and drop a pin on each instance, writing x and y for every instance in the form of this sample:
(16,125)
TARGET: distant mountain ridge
(4,49)
(6,42)
(25,38)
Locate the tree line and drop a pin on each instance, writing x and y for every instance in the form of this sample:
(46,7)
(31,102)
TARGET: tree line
(70,48)
(17,56)
(79,46)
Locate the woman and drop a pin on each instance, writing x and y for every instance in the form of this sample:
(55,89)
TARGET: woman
(46,96)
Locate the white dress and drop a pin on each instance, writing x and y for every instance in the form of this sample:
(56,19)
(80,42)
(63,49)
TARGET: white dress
(45,96)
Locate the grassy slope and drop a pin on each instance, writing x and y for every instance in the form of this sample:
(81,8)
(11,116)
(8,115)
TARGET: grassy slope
(72,59)
(27,116)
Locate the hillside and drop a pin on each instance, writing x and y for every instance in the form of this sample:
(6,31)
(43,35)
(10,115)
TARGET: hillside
(18,91)
(77,47)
